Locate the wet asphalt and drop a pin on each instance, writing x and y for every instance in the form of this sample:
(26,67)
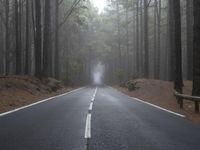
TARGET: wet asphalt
(118,122)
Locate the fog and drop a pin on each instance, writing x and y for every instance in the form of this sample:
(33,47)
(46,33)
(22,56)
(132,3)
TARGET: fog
(98,73)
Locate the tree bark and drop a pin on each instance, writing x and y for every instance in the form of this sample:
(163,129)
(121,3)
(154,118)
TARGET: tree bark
(7,38)
(190,19)
(171,56)
(137,37)
(57,62)
(47,39)
(17,39)
(155,37)
(196,52)
(141,38)
(158,15)
(38,40)
(27,39)
(127,41)
(146,40)
(178,83)
(119,42)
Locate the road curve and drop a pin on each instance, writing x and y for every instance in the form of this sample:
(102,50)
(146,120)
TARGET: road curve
(96,119)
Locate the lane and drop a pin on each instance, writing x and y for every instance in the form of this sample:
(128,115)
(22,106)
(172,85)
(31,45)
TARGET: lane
(57,124)
(92,119)
(121,123)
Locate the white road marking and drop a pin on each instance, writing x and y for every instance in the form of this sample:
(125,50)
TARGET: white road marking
(89,116)
(95,92)
(158,107)
(91,105)
(94,95)
(39,102)
(88,126)
(155,106)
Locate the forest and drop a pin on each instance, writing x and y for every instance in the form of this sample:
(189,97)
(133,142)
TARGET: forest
(99,74)
(129,39)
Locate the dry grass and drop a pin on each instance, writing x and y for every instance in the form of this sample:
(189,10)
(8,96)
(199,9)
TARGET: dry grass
(17,91)
(161,93)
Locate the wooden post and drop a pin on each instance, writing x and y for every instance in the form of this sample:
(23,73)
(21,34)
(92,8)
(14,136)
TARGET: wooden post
(181,97)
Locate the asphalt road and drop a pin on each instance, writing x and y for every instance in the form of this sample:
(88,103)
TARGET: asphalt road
(96,119)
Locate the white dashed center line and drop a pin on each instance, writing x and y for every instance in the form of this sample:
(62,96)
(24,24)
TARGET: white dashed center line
(91,105)
(88,126)
(89,116)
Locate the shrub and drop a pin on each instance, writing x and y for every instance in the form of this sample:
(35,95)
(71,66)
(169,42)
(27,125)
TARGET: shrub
(131,85)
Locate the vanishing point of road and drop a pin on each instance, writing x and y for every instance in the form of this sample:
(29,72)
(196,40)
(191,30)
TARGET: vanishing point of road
(96,118)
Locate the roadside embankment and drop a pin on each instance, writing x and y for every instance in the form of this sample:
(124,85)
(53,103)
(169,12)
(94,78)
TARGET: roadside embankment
(160,93)
(18,91)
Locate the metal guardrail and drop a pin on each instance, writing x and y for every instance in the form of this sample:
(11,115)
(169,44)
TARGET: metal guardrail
(181,97)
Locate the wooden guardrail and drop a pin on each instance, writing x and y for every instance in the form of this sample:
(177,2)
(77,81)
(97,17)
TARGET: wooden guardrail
(181,97)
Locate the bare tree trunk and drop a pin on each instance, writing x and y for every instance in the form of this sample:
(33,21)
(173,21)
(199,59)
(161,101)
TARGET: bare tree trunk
(7,37)
(27,39)
(127,42)
(171,41)
(57,62)
(158,15)
(119,42)
(155,37)
(38,40)
(2,49)
(178,83)
(47,39)
(17,39)
(190,19)
(141,38)
(159,39)
(196,52)
(137,37)
(146,40)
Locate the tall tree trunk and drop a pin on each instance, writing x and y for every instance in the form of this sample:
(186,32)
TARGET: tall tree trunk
(171,56)
(17,40)
(137,37)
(57,62)
(20,37)
(119,43)
(159,37)
(141,38)
(27,39)
(7,38)
(127,42)
(158,15)
(155,37)
(2,49)
(146,40)
(47,39)
(38,40)
(190,19)
(196,52)
(178,83)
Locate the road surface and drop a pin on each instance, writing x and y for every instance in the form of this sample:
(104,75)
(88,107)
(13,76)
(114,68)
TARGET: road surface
(96,118)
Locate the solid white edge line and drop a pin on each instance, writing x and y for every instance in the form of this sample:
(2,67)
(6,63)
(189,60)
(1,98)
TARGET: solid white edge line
(88,126)
(158,107)
(91,105)
(39,102)
(155,106)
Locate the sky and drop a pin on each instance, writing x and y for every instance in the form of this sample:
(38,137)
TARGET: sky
(100,4)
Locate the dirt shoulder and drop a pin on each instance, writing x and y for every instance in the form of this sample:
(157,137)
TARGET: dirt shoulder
(161,93)
(18,91)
